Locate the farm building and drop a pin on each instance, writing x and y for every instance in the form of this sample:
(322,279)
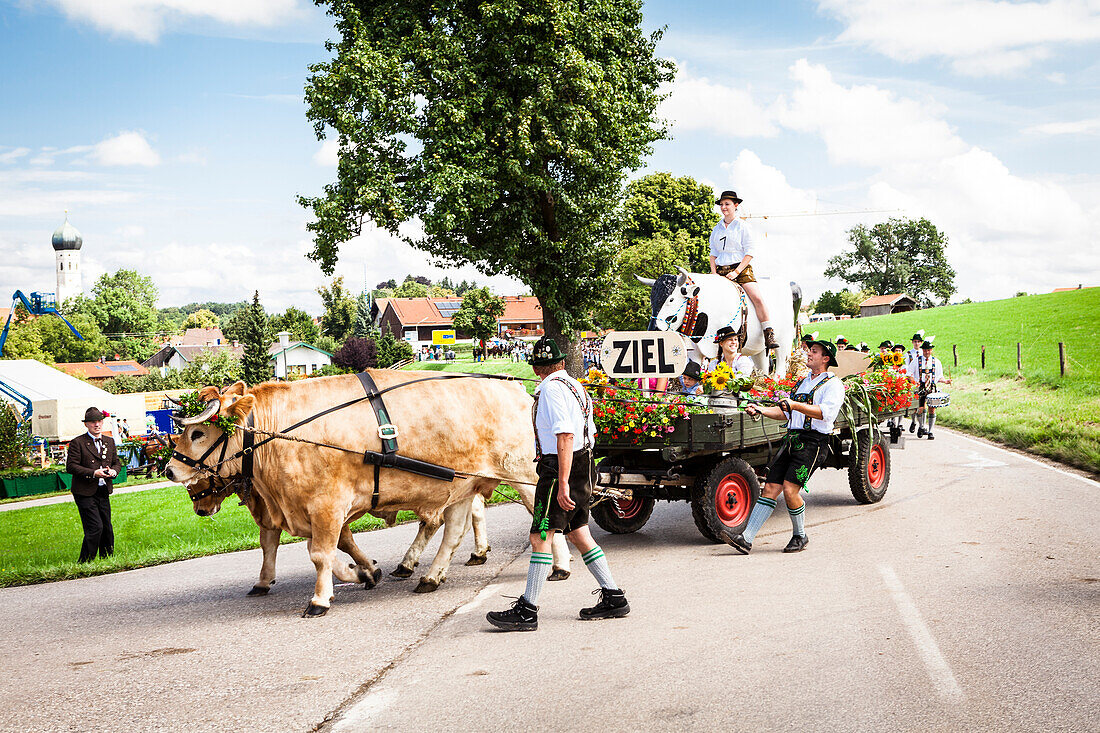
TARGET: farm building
(414,319)
(881,305)
(296,357)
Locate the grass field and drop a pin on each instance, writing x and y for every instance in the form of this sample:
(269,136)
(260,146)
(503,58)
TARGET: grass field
(1035,409)
(490,366)
(39,544)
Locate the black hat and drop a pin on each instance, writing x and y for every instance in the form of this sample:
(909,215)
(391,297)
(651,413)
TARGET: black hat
(94,415)
(732,195)
(692,370)
(899,347)
(928,345)
(887,344)
(830,349)
(809,338)
(918,336)
(840,339)
(724,333)
(546,352)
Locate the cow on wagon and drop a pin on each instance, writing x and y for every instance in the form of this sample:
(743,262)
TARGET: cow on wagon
(325,462)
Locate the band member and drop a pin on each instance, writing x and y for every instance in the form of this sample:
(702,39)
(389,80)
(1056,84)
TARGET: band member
(93,462)
(841,342)
(927,372)
(731,252)
(810,413)
(564,437)
(808,339)
(885,347)
(729,351)
(913,353)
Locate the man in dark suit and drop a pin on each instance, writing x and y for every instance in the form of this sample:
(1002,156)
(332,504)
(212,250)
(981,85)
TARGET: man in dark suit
(93,463)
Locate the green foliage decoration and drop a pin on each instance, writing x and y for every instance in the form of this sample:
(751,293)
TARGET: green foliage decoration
(191,405)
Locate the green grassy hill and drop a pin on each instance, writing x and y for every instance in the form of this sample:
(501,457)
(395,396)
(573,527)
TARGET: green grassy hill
(1035,409)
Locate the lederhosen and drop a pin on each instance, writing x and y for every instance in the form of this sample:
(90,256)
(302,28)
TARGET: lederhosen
(549,515)
(802,449)
(925,388)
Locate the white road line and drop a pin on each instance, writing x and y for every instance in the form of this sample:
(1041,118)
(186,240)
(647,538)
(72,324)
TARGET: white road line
(481,597)
(358,717)
(1014,454)
(934,662)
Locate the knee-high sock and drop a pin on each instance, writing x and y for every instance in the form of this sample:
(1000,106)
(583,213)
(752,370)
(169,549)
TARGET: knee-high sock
(537,572)
(798,519)
(920,418)
(931,420)
(760,514)
(596,563)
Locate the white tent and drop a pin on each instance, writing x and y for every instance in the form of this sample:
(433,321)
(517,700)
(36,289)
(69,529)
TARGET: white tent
(60,400)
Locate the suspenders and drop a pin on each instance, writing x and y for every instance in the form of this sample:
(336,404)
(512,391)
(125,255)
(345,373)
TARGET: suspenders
(808,398)
(586,410)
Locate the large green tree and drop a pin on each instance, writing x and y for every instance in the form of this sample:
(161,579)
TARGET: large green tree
(670,207)
(124,303)
(506,129)
(338,318)
(200,319)
(897,256)
(299,323)
(255,366)
(627,307)
(364,326)
(842,302)
(479,313)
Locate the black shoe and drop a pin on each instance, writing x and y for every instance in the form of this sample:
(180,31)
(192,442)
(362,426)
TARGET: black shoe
(797,544)
(920,432)
(930,436)
(912,427)
(522,616)
(769,339)
(737,542)
(612,605)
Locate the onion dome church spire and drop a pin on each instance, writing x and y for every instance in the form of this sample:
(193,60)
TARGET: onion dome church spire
(66,245)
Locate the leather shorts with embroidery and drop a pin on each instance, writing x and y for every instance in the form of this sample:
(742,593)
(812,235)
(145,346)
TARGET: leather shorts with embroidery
(746,275)
(549,516)
(802,452)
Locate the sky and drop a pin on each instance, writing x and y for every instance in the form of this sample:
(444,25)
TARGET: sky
(174,133)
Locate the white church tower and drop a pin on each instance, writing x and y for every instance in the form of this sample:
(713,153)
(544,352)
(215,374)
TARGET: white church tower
(66,244)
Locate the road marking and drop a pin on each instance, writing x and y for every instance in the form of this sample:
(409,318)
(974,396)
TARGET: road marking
(481,597)
(934,662)
(977,460)
(1088,481)
(358,717)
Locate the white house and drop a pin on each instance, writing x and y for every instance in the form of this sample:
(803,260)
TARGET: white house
(296,358)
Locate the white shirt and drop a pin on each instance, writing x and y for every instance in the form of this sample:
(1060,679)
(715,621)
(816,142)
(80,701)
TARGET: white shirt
(742,366)
(558,411)
(729,244)
(98,443)
(911,356)
(925,371)
(829,398)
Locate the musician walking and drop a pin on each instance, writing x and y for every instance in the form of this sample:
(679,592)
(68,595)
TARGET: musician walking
(927,372)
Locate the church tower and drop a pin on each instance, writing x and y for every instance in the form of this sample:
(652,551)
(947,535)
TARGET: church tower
(66,245)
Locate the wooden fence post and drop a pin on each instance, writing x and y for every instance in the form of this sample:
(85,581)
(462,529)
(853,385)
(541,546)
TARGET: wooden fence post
(1062,358)
(1018,357)
(983,356)
(955,353)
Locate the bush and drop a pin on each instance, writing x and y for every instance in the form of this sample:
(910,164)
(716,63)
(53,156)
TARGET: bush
(15,439)
(356,354)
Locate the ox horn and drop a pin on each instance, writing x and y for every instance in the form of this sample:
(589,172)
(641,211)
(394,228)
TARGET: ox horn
(683,274)
(173,402)
(647,281)
(211,410)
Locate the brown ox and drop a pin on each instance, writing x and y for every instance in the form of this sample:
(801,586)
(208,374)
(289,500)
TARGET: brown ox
(480,427)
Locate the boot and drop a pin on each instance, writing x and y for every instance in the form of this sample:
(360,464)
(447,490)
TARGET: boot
(769,339)
(612,605)
(522,616)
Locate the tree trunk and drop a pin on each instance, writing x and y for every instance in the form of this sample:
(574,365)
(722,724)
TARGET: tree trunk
(569,343)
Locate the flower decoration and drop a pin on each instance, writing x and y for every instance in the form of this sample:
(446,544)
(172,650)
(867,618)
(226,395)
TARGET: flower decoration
(191,405)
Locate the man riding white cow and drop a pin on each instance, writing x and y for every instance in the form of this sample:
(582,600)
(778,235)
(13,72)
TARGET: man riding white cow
(698,306)
(316,476)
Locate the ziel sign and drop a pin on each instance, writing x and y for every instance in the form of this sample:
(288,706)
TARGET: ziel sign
(636,354)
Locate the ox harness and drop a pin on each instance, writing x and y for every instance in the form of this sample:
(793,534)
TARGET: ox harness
(387,432)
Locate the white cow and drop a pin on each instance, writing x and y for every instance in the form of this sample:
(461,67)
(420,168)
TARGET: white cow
(718,302)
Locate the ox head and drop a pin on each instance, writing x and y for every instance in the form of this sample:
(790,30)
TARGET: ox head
(199,439)
(669,313)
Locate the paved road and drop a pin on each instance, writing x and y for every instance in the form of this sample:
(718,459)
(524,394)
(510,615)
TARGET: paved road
(968,599)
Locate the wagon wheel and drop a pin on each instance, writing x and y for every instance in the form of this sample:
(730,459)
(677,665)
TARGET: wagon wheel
(623,516)
(869,468)
(724,497)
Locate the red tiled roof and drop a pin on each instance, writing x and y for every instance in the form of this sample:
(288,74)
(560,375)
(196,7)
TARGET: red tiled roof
(425,311)
(200,337)
(1066,290)
(104,369)
(883,299)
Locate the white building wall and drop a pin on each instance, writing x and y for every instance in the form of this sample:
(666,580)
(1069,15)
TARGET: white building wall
(69,281)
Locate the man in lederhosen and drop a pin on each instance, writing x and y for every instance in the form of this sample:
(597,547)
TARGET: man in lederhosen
(810,413)
(564,437)
(927,372)
(731,252)
(93,462)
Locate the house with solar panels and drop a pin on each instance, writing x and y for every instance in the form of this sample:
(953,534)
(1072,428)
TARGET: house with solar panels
(97,371)
(414,319)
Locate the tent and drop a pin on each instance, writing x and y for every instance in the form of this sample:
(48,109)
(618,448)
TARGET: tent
(59,400)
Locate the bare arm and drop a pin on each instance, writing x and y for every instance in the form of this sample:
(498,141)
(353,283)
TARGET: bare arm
(565,465)
(740,267)
(713,269)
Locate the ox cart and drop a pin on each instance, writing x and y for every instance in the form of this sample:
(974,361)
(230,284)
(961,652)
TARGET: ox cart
(715,461)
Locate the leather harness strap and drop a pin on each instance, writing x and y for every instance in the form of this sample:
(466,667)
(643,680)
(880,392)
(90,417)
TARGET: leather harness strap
(387,432)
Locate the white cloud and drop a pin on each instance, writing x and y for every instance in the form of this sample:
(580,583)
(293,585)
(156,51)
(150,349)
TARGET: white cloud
(1077,127)
(696,103)
(328,155)
(979,37)
(125,148)
(146,20)
(13,154)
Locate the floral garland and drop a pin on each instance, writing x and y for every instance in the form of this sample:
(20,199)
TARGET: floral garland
(625,413)
(191,405)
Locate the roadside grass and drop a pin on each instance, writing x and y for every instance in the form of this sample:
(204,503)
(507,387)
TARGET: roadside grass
(40,544)
(491,366)
(1035,409)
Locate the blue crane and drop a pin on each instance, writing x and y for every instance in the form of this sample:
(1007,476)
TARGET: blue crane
(38,304)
